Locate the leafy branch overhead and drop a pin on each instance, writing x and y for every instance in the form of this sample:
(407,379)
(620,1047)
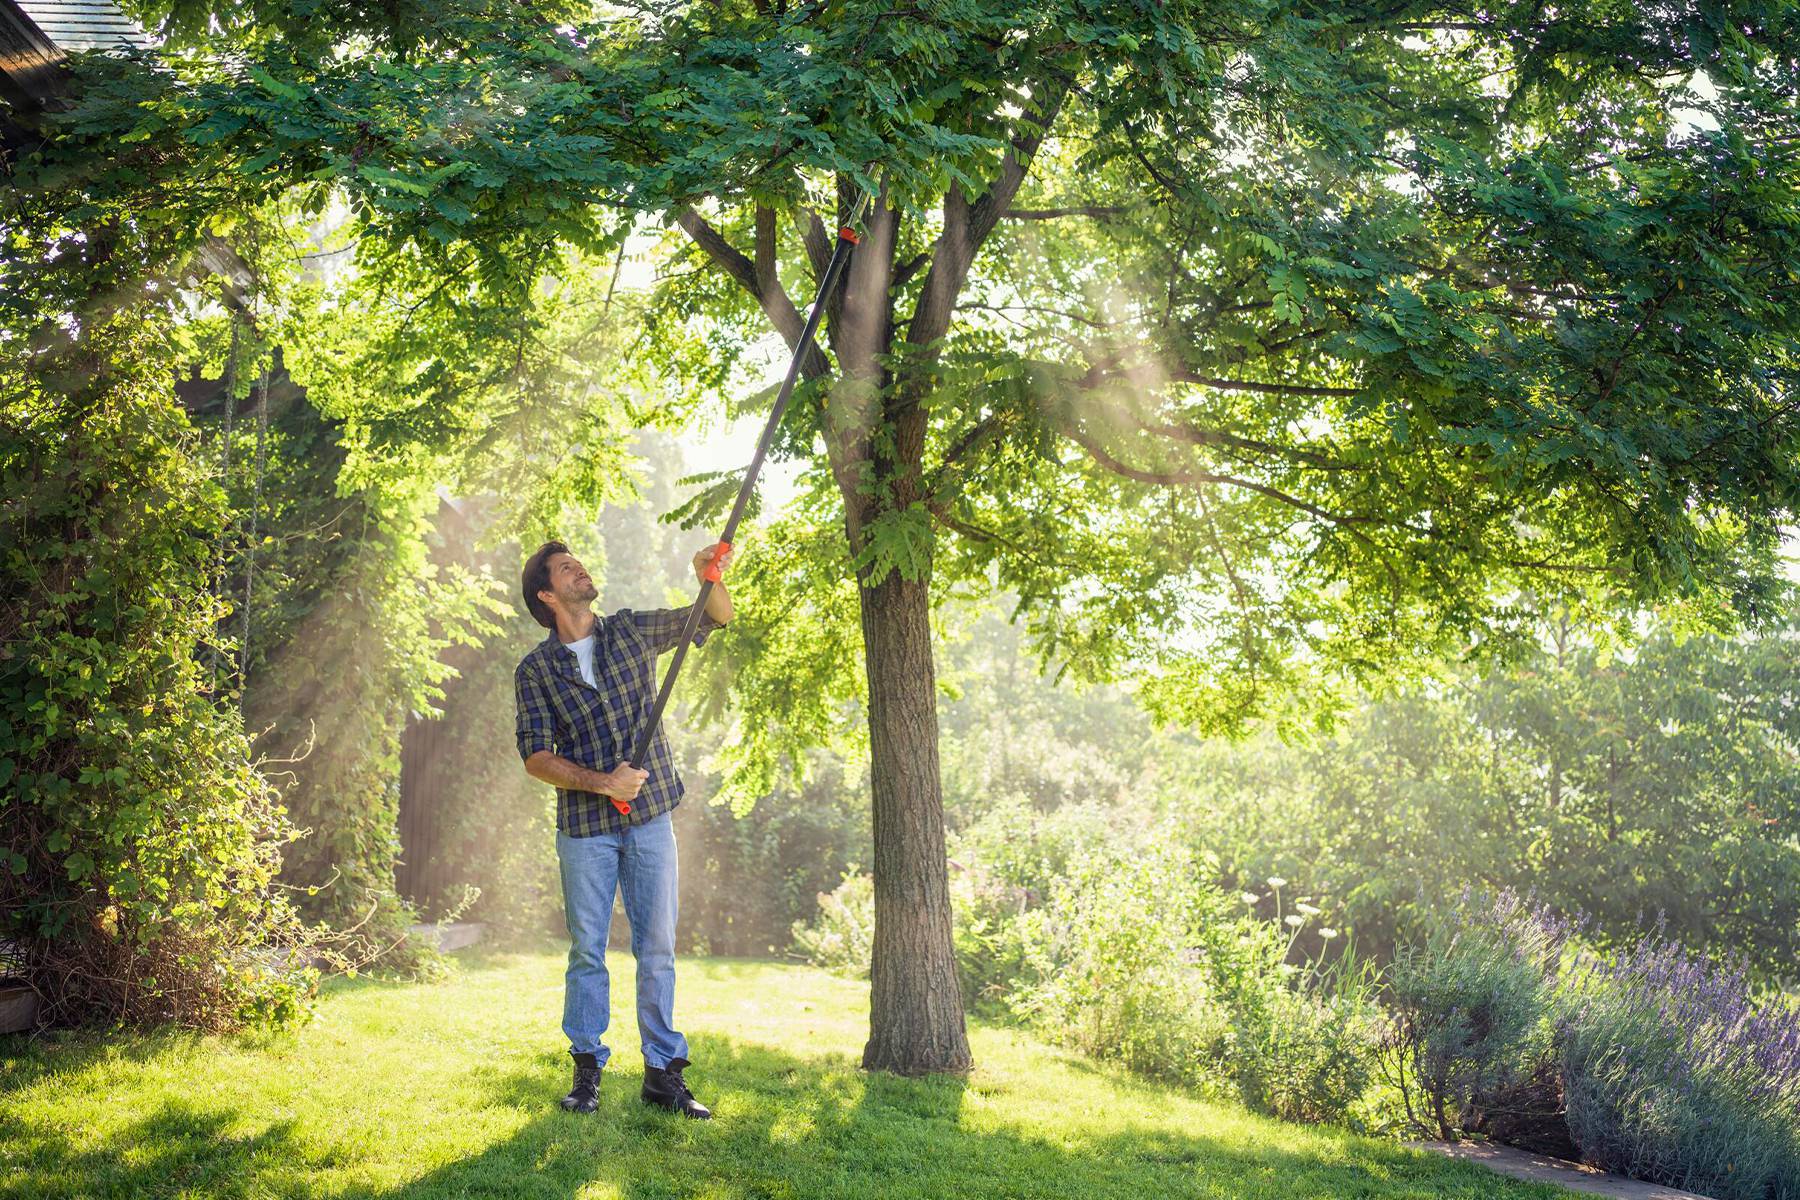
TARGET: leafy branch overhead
(1252,348)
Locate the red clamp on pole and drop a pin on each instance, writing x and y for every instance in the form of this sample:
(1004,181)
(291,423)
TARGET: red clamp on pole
(849,235)
(711,574)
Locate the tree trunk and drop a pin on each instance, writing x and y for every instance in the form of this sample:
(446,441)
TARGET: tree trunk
(915,1003)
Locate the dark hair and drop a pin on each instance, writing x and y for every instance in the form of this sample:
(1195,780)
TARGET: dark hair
(536,578)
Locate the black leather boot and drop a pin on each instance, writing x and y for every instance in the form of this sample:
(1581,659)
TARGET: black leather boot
(664,1086)
(584,1097)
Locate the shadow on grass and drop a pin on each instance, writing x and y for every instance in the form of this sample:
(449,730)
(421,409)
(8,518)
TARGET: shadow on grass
(181,1149)
(788,1127)
(26,1058)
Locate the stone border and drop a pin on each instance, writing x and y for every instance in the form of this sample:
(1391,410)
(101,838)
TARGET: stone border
(18,1006)
(454,936)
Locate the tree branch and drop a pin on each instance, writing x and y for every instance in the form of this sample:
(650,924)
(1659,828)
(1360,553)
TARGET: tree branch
(758,278)
(817,240)
(1196,436)
(909,268)
(1195,478)
(1042,310)
(967,225)
(1100,375)
(1051,214)
(722,252)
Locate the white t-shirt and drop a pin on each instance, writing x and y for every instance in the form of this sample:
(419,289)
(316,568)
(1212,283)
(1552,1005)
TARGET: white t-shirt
(584,653)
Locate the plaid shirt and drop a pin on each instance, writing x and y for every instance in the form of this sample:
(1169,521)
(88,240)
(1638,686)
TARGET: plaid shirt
(596,726)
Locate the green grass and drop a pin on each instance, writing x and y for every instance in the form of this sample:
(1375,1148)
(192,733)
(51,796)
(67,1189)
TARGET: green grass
(412,1091)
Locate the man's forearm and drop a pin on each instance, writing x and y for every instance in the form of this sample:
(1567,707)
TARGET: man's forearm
(718,603)
(556,770)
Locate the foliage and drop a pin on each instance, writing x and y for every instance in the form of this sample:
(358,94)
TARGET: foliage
(491,828)
(1004,867)
(759,874)
(347,780)
(1275,284)
(333,622)
(1114,977)
(1474,1006)
(1667,1066)
(1147,963)
(1126,953)
(141,844)
(1673,1073)
(1613,785)
(772,687)
(841,936)
(1307,1054)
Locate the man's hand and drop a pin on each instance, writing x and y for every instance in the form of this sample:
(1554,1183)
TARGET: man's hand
(622,781)
(718,600)
(703,559)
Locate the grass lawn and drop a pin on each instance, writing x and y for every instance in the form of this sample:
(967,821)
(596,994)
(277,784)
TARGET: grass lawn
(406,1092)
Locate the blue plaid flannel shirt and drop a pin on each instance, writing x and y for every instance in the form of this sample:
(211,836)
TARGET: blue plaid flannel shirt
(595,726)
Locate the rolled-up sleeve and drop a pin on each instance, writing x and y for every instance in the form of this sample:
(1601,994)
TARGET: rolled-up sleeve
(662,627)
(533,723)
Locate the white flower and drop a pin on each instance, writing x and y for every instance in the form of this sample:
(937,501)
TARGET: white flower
(1327,933)
(1276,881)
(1295,919)
(1249,897)
(1307,909)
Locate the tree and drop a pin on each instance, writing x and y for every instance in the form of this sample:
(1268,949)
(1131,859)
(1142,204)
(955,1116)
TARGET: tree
(1314,367)
(1260,349)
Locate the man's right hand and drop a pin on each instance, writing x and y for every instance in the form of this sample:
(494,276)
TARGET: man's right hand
(622,781)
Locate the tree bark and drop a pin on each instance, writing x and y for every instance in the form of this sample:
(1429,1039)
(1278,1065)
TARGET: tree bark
(915,1003)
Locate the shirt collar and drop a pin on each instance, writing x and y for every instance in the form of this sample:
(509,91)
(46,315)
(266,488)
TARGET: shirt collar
(553,643)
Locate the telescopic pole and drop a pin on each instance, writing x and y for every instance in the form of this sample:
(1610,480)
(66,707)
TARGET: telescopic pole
(840,257)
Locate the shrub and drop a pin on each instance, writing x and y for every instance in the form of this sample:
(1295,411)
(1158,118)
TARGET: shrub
(1473,1007)
(139,845)
(1671,1074)
(1114,976)
(842,937)
(1003,869)
(1148,964)
(1304,1041)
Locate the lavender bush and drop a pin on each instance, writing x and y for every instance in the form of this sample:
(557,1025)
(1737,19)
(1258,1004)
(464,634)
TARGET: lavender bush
(1672,1074)
(1473,1009)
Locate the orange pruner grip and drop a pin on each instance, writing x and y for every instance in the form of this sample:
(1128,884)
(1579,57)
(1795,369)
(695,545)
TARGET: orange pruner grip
(712,568)
(624,806)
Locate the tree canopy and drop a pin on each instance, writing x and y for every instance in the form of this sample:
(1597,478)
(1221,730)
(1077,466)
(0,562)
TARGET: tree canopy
(1298,336)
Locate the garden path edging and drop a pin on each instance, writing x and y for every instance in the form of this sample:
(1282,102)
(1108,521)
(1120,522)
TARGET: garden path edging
(1541,1168)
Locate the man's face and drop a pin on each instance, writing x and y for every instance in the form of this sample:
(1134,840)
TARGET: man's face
(569,581)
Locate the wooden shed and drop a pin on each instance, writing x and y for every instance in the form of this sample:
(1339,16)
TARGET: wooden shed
(37,35)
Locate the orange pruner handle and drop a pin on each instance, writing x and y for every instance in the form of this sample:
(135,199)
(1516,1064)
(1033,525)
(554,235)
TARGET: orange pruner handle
(712,568)
(624,806)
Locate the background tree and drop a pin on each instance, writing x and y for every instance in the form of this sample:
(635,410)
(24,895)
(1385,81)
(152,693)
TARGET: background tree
(1626,790)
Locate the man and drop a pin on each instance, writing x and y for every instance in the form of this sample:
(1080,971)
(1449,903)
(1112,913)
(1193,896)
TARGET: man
(584,694)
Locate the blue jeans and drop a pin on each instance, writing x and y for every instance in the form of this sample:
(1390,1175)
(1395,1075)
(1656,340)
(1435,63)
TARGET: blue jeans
(641,863)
